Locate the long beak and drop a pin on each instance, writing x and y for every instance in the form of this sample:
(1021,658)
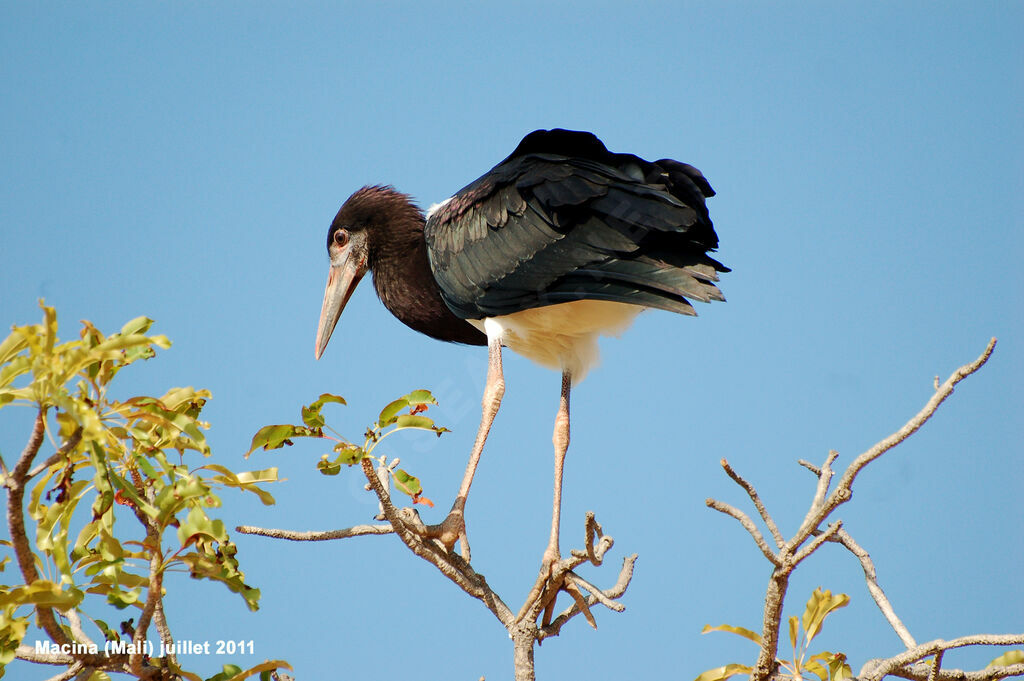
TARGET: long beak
(341,282)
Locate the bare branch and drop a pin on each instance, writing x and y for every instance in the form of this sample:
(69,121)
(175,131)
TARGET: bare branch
(921,672)
(137,659)
(842,493)
(821,507)
(75,623)
(815,543)
(69,673)
(29,654)
(450,564)
(936,666)
(876,669)
(825,474)
(592,528)
(327,535)
(809,466)
(64,451)
(747,524)
(871,577)
(752,493)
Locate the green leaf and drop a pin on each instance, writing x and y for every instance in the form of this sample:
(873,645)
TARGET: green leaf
(819,606)
(228,672)
(128,490)
(262,668)
(42,593)
(137,325)
(739,631)
(275,437)
(11,346)
(348,453)
(121,599)
(311,415)
(108,633)
(390,412)
(409,484)
(1008,658)
(247,481)
(838,669)
(418,397)
(722,673)
(327,467)
(410,421)
(197,525)
(816,669)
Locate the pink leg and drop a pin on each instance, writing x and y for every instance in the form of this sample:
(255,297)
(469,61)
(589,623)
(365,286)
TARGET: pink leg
(454,526)
(561,441)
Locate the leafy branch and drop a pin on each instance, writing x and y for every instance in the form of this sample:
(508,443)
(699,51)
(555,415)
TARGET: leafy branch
(802,631)
(129,453)
(536,619)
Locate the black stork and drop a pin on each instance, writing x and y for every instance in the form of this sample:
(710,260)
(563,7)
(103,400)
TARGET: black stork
(559,243)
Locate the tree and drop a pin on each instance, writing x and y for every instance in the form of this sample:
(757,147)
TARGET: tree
(122,485)
(124,474)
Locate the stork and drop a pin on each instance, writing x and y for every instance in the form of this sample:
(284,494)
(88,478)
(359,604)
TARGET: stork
(561,242)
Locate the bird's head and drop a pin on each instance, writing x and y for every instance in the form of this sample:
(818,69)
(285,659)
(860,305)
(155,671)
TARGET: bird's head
(352,247)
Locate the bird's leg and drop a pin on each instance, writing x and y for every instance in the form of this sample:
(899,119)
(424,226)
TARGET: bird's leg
(453,528)
(561,441)
(548,583)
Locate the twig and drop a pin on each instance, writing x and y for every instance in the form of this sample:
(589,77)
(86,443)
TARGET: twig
(752,493)
(921,671)
(936,666)
(64,451)
(747,524)
(843,489)
(75,624)
(810,466)
(815,543)
(69,673)
(29,654)
(825,474)
(294,535)
(871,577)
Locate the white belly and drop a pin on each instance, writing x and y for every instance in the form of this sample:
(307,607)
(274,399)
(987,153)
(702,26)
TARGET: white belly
(562,336)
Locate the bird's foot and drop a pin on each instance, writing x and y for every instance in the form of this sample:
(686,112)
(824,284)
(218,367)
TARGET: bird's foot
(550,580)
(448,532)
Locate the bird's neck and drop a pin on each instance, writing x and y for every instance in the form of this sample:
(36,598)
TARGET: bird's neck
(405,283)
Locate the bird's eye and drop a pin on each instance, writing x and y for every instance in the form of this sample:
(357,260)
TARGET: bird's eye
(340,237)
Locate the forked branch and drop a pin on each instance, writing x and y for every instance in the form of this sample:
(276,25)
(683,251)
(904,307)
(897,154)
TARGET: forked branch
(811,535)
(535,620)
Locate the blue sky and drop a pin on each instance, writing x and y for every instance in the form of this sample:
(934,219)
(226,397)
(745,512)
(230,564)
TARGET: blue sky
(183,161)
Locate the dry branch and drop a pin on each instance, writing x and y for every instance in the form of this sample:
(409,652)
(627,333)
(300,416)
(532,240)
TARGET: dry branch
(424,541)
(810,537)
(327,535)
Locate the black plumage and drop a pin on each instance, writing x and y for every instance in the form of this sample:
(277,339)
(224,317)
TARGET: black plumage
(564,219)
